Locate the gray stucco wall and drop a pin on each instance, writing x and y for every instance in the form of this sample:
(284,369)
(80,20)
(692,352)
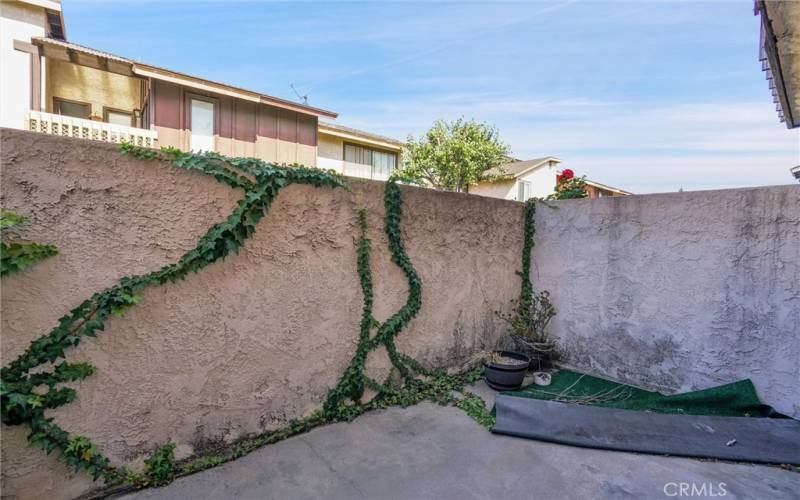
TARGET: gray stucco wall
(679,291)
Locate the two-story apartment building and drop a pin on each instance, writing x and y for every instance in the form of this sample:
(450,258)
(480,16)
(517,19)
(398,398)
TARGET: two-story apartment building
(52,86)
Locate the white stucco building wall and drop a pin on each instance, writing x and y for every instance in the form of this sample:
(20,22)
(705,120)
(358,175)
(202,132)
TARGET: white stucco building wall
(18,21)
(541,182)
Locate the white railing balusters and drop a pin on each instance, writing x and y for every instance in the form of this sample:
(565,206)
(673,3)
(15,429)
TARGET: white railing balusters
(67,126)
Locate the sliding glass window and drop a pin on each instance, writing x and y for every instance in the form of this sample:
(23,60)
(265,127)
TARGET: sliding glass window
(381,163)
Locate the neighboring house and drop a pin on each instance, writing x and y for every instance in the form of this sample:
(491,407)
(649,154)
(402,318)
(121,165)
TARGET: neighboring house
(522,180)
(597,190)
(357,153)
(519,180)
(52,86)
(780,55)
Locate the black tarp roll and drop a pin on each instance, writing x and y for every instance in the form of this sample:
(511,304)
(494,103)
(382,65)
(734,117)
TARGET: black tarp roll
(764,440)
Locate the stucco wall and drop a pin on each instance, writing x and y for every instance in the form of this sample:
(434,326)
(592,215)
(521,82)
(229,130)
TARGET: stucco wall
(18,21)
(89,85)
(542,180)
(670,292)
(250,342)
(679,291)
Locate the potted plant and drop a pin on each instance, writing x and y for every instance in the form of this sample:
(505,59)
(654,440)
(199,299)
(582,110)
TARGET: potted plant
(528,320)
(505,370)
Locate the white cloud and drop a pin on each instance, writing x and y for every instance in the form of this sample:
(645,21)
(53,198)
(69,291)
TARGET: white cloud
(643,148)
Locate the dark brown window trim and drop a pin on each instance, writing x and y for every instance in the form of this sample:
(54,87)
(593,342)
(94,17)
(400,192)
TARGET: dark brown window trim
(72,101)
(106,110)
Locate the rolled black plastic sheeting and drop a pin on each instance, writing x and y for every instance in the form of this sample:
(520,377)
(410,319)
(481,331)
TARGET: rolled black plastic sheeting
(762,440)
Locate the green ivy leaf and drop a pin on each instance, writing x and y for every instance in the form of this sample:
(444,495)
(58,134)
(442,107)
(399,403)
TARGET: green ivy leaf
(10,219)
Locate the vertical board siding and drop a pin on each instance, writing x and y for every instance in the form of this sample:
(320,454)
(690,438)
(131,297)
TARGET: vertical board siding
(267,121)
(239,120)
(307,130)
(167,98)
(287,125)
(244,127)
(226,117)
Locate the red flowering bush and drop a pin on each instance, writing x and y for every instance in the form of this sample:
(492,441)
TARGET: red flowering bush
(568,186)
(565,175)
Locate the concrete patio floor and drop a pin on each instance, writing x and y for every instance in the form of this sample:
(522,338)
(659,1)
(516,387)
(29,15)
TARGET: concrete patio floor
(430,451)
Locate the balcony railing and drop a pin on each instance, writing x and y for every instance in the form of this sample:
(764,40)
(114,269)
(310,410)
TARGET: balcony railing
(67,126)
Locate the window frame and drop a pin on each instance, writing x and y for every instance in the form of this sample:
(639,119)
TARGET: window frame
(372,149)
(107,110)
(187,103)
(521,191)
(186,117)
(87,105)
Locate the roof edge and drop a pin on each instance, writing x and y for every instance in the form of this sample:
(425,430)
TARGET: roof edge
(150,71)
(504,176)
(360,135)
(606,187)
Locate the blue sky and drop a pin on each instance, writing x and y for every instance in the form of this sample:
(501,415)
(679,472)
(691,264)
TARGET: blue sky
(647,96)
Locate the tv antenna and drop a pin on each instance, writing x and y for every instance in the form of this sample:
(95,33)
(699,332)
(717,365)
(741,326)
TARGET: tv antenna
(303,97)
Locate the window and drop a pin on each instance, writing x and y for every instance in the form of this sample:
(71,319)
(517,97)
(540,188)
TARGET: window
(75,109)
(524,190)
(357,154)
(381,163)
(118,117)
(202,125)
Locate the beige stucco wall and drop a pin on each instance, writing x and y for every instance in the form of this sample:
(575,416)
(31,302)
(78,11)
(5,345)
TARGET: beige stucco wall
(99,88)
(671,292)
(249,342)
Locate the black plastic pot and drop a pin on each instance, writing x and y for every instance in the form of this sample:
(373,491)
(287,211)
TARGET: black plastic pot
(504,377)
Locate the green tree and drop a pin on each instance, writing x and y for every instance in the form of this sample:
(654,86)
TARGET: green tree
(452,155)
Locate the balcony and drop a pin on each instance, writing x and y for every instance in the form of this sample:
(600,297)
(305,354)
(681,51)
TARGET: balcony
(67,126)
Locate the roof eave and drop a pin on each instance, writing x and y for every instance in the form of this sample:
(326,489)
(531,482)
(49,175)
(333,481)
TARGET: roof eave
(505,177)
(148,71)
(774,69)
(364,137)
(158,73)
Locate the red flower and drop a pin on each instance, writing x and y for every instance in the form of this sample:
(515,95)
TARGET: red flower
(567,174)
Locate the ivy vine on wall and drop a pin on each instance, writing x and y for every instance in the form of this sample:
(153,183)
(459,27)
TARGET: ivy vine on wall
(15,255)
(25,396)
